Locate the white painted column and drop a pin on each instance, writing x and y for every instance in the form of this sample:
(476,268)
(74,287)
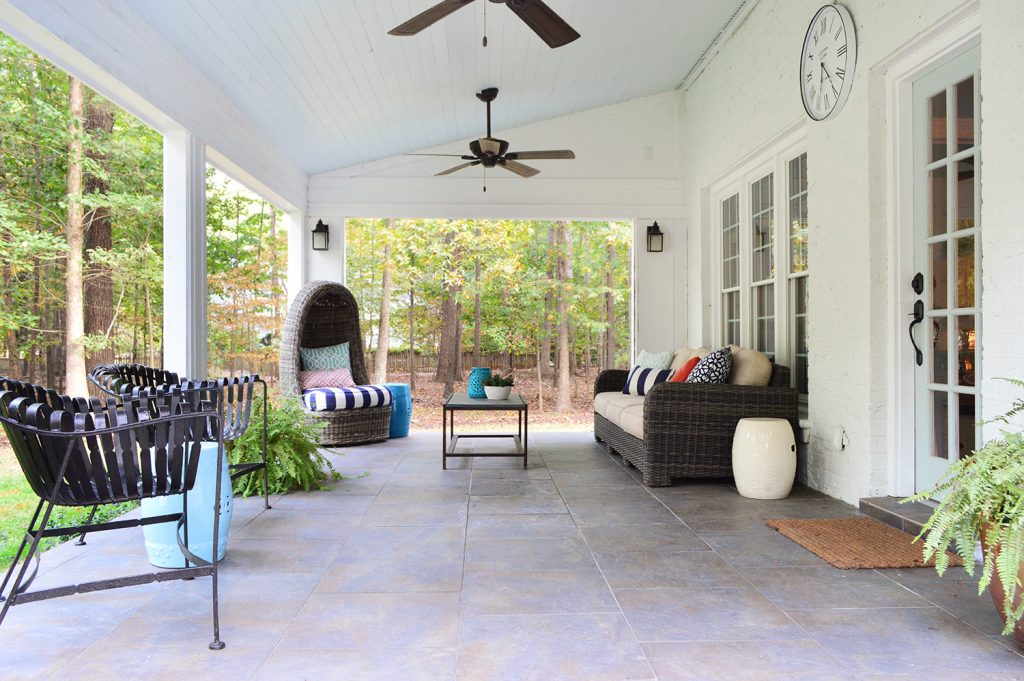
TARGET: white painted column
(185,294)
(298,258)
(330,264)
(658,295)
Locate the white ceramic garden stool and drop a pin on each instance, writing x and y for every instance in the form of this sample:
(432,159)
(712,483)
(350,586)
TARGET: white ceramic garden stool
(764,458)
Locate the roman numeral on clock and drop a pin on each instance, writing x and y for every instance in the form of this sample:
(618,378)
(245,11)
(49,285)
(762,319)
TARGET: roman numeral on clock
(841,73)
(841,51)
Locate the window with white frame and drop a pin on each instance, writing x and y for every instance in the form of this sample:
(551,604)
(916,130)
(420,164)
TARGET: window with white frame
(763,256)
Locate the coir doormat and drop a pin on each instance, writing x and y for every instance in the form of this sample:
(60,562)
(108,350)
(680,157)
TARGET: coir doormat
(856,542)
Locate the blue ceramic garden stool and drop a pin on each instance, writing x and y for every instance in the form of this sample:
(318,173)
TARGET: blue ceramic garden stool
(401,409)
(161,538)
(477,376)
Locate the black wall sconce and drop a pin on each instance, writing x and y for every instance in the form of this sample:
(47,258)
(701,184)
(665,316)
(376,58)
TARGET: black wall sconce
(655,238)
(321,236)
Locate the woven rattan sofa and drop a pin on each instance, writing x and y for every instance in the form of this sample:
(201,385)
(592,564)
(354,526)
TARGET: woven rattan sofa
(325,313)
(686,428)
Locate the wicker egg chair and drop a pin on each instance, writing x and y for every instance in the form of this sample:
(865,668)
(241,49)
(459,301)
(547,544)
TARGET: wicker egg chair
(325,313)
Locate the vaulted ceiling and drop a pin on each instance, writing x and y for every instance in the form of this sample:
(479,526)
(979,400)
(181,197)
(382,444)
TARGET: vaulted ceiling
(329,87)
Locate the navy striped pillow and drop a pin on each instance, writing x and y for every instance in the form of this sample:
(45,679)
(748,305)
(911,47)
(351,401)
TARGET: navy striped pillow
(642,379)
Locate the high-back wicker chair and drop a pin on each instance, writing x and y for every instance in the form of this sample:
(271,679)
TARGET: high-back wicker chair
(325,313)
(84,452)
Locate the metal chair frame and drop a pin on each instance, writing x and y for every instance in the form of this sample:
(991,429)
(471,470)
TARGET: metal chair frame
(82,452)
(236,403)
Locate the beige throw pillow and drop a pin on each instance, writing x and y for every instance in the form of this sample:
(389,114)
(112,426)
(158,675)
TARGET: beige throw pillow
(749,367)
(684,354)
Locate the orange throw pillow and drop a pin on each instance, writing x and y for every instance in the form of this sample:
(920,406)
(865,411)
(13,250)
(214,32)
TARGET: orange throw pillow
(684,371)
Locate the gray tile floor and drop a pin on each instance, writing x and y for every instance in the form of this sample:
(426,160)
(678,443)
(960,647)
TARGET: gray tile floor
(568,570)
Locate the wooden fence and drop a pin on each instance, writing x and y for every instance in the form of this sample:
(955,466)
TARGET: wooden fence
(399,361)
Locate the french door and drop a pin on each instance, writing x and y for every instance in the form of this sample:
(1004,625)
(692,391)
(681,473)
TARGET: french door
(945,321)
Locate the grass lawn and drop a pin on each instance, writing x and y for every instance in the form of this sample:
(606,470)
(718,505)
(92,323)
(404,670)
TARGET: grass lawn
(18,502)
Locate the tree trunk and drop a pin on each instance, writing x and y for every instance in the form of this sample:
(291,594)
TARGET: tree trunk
(448,341)
(99,286)
(609,306)
(563,401)
(380,360)
(274,280)
(476,309)
(74,372)
(545,346)
(150,345)
(412,337)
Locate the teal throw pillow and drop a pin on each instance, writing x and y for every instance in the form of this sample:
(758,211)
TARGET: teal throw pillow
(330,357)
(654,360)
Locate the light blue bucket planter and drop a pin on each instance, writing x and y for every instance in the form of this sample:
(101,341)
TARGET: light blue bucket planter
(477,376)
(161,539)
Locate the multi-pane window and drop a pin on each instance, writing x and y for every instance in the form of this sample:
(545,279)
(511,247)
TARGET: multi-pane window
(764,261)
(797,190)
(731,270)
(762,276)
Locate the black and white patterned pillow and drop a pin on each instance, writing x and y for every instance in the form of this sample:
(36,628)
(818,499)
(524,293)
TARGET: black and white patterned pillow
(715,368)
(642,379)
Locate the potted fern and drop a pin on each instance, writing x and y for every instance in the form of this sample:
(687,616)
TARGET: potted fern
(982,497)
(498,387)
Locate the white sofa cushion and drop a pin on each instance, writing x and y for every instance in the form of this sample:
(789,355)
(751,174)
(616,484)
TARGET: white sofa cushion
(611,404)
(684,354)
(631,420)
(749,367)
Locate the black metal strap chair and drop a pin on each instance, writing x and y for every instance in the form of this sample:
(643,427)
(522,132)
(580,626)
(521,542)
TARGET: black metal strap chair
(84,452)
(236,403)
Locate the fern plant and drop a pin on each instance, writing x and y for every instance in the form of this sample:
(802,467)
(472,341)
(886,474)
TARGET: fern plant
(294,460)
(983,492)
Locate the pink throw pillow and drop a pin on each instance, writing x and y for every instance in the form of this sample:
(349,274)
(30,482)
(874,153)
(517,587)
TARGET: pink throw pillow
(326,378)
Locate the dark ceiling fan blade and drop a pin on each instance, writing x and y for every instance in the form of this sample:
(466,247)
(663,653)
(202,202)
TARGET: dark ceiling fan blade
(461,166)
(462,156)
(429,17)
(552,29)
(528,155)
(520,169)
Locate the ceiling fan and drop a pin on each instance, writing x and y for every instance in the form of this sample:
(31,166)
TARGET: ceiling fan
(490,151)
(552,28)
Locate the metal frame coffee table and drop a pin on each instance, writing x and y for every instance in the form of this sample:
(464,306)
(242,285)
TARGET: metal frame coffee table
(463,402)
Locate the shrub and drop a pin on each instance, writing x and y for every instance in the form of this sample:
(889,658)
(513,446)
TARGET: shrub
(294,460)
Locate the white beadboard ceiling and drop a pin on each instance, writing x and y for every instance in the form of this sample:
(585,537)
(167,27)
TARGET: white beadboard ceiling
(328,86)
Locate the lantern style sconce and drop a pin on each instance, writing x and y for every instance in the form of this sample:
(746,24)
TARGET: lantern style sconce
(655,238)
(321,236)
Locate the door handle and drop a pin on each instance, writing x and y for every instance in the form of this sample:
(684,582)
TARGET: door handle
(918,315)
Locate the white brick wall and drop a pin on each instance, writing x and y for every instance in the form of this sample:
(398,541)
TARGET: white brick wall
(1002,196)
(747,95)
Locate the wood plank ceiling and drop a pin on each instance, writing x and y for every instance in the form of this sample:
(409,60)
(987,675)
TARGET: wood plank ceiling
(327,84)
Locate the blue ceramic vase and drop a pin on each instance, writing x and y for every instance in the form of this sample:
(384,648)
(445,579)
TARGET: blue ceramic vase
(477,376)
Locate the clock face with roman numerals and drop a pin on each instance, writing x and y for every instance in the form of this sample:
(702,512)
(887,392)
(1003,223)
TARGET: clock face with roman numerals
(827,62)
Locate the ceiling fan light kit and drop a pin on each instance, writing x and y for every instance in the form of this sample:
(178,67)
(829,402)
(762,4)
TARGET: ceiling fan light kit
(490,152)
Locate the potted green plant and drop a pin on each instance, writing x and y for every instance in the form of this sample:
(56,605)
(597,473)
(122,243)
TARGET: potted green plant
(498,387)
(982,497)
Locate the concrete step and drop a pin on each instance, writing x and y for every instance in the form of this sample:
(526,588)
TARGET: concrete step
(907,517)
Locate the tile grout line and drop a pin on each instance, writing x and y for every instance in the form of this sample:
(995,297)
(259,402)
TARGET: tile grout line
(313,591)
(839,663)
(622,613)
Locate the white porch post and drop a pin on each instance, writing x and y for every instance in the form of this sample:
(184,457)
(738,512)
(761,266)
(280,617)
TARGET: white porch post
(185,254)
(298,243)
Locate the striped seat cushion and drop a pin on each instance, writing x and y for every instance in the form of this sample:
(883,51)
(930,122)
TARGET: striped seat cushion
(338,399)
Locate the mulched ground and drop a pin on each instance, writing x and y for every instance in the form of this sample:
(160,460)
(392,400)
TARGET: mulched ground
(428,396)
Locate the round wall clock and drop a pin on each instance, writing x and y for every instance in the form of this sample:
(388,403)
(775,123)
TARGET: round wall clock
(827,62)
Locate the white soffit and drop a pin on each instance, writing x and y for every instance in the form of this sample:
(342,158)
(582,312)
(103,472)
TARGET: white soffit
(326,84)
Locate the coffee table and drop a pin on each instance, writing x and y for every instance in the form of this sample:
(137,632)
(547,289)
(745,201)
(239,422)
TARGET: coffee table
(463,402)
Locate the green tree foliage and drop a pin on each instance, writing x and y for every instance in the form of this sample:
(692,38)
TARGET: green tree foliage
(246,246)
(515,260)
